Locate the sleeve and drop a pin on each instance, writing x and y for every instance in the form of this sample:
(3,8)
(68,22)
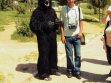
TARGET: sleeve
(106,26)
(61,15)
(108,18)
(36,25)
(56,26)
(33,23)
(81,15)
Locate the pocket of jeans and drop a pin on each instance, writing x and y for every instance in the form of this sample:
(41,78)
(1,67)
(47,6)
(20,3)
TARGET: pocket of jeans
(77,36)
(67,39)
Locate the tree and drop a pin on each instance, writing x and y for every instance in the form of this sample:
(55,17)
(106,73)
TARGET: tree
(3,5)
(64,2)
(0,4)
(99,4)
(6,3)
(9,3)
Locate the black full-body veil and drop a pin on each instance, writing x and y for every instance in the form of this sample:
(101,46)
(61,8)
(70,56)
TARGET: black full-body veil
(46,38)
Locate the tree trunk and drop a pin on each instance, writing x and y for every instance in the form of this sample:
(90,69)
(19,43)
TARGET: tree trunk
(99,14)
(33,3)
(95,10)
(12,5)
(103,13)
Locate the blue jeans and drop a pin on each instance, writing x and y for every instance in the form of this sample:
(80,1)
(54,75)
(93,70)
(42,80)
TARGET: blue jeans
(76,43)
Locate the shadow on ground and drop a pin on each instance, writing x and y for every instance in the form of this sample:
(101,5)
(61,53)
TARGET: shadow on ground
(100,62)
(90,20)
(32,67)
(90,77)
(26,68)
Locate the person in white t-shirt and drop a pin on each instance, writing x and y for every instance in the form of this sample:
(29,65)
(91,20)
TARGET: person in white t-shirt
(71,33)
(107,35)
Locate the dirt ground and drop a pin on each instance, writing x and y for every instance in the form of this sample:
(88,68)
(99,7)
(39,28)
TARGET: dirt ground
(12,63)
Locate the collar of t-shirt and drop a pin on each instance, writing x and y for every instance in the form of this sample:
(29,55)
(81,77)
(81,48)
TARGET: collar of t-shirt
(72,8)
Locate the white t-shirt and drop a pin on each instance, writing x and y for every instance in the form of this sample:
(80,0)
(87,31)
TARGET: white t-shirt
(73,15)
(108,18)
(108,35)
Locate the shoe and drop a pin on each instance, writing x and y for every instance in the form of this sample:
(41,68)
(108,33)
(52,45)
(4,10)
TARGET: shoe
(74,74)
(78,76)
(69,75)
(48,79)
(57,73)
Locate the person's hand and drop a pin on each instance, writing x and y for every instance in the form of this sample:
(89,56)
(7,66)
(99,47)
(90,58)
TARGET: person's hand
(79,35)
(63,40)
(107,14)
(57,21)
(102,38)
(51,24)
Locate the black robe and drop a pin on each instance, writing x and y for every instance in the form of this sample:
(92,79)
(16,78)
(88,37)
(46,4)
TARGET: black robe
(46,38)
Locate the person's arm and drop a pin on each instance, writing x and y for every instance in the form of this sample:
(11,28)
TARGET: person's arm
(104,18)
(81,29)
(62,33)
(81,23)
(36,25)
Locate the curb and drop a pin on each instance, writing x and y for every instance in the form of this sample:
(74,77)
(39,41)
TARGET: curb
(59,58)
(92,37)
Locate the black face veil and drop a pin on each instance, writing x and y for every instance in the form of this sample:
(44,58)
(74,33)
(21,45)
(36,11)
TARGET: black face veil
(45,3)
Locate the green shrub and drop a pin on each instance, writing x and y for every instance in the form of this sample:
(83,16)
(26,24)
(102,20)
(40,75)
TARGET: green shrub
(21,8)
(3,5)
(2,29)
(22,26)
(89,6)
(7,9)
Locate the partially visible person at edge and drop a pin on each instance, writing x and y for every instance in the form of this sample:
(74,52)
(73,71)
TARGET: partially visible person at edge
(69,15)
(107,35)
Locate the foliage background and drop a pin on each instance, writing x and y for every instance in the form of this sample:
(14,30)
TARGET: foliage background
(24,9)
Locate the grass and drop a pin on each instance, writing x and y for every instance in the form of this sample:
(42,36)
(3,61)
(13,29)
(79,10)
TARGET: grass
(94,22)
(58,37)
(21,38)
(2,78)
(6,17)
(31,57)
(2,29)
(11,75)
(85,34)
(87,11)
(91,18)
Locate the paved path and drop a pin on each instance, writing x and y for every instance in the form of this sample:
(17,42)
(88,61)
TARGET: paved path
(94,66)
(94,63)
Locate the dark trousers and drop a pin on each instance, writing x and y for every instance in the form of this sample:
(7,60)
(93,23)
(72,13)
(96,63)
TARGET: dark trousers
(108,54)
(47,61)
